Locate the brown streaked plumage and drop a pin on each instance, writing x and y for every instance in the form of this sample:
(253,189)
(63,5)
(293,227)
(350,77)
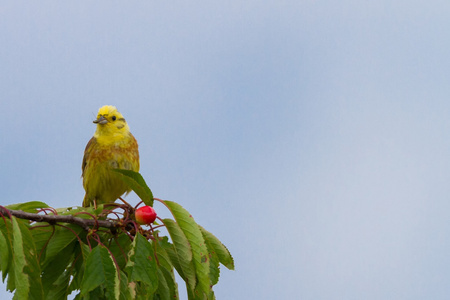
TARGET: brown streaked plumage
(112,146)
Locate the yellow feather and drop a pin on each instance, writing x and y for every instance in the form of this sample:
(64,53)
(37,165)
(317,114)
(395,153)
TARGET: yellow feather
(112,146)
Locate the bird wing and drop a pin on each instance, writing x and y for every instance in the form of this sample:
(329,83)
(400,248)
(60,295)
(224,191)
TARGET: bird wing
(87,152)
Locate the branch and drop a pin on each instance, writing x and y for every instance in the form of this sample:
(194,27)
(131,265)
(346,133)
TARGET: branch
(53,219)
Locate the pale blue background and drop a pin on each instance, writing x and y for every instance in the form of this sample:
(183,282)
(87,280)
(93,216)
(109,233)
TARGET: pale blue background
(312,137)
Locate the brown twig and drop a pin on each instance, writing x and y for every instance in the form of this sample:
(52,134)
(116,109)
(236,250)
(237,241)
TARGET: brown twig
(53,219)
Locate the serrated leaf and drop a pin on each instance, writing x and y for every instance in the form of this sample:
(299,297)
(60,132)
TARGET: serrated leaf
(163,287)
(85,251)
(41,238)
(200,295)
(21,283)
(100,270)
(31,206)
(56,269)
(183,252)
(163,258)
(78,266)
(167,289)
(6,229)
(172,255)
(170,282)
(141,265)
(11,281)
(119,247)
(214,270)
(166,272)
(59,288)
(5,254)
(127,291)
(136,182)
(222,252)
(60,240)
(143,291)
(25,263)
(179,240)
(198,246)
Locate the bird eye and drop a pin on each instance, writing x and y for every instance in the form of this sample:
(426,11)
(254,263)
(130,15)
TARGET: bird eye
(113,118)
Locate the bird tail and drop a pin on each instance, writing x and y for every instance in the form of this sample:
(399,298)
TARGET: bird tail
(86,201)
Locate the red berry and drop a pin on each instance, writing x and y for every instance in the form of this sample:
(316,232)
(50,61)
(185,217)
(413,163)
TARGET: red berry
(145,215)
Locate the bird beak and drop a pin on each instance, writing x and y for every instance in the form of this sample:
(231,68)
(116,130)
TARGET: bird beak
(101,120)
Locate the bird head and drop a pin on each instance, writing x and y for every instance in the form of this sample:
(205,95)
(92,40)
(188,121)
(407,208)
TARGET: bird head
(110,122)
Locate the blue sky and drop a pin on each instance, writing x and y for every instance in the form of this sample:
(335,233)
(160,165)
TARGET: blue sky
(312,137)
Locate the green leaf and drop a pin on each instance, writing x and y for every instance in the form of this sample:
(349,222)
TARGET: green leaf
(55,269)
(165,271)
(179,240)
(119,247)
(162,292)
(78,266)
(61,239)
(127,290)
(183,252)
(171,284)
(214,270)
(59,288)
(163,258)
(5,254)
(11,282)
(172,255)
(41,238)
(143,291)
(27,271)
(220,250)
(141,265)
(6,229)
(21,283)
(31,206)
(100,270)
(195,238)
(200,295)
(136,182)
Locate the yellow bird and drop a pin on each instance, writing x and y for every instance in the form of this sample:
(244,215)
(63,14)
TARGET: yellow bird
(112,146)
